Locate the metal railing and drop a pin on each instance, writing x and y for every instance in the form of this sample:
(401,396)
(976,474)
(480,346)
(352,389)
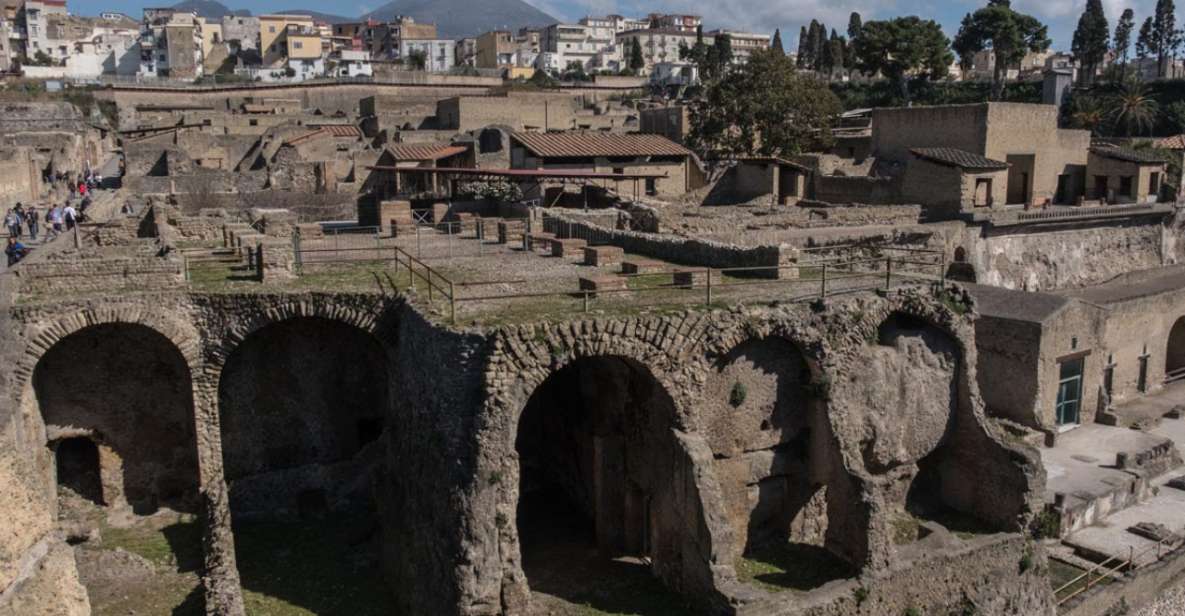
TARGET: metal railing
(1172,376)
(693,285)
(1108,568)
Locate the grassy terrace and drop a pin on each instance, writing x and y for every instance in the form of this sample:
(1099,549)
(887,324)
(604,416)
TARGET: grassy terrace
(501,284)
(299,568)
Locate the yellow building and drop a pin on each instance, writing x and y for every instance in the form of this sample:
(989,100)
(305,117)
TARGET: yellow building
(273,32)
(303,43)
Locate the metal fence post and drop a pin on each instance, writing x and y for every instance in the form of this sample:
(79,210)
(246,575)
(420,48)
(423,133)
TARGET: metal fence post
(337,244)
(586,301)
(296,252)
(823,288)
(378,247)
(888,273)
(452,303)
(709,287)
(419,253)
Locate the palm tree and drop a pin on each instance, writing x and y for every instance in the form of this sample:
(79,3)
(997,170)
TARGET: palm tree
(1132,109)
(1088,113)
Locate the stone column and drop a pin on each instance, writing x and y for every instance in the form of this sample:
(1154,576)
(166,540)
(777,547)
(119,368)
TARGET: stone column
(223,590)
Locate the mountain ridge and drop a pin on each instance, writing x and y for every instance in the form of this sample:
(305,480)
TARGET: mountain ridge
(454,19)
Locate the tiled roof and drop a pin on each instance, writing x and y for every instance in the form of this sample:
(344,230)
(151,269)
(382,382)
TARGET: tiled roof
(327,131)
(424,151)
(1139,157)
(1176,142)
(962,159)
(585,145)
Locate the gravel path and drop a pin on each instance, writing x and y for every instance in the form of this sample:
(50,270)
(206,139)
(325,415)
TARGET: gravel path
(1172,603)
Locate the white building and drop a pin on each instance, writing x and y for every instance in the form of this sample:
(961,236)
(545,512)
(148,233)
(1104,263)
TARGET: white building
(34,21)
(350,63)
(743,43)
(659,45)
(674,74)
(594,47)
(439,54)
(306,68)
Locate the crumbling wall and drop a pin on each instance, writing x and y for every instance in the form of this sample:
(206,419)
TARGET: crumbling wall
(1066,256)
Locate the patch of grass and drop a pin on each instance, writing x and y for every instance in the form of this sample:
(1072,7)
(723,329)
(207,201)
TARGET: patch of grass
(1061,573)
(739,393)
(791,566)
(906,529)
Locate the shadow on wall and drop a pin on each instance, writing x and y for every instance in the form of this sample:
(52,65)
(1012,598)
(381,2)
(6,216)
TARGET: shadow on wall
(787,495)
(597,462)
(303,403)
(120,387)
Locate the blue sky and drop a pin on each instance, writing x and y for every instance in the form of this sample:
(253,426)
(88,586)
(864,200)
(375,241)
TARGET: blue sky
(755,15)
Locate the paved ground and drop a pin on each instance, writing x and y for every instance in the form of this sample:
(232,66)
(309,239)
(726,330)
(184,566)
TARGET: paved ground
(1082,465)
(1155,405)
(1112,538)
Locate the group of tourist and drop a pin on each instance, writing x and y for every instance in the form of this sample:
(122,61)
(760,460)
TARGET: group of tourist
(24,221)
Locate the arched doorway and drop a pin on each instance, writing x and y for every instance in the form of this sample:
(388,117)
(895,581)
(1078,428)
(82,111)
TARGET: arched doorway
(302,404)
(778,466)
(117,401)
(596,463)
(1174,354)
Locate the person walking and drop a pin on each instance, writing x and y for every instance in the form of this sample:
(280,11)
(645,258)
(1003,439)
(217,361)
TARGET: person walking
(13,222)
(71,216)
(32,222)
(54,218)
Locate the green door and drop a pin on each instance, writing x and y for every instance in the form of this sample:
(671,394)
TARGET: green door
(1069,392)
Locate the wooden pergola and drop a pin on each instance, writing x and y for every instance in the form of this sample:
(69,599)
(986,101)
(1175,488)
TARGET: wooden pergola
(536,177)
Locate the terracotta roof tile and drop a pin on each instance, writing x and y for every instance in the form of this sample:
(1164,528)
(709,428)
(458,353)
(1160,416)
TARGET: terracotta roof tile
(585,145)
(953,157)
(1139,157)
(1176,142)
(425,151)
(327,131)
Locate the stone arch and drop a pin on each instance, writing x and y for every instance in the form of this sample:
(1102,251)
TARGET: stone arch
(601,470)
(303,397)
(368,320)
(122,384)
(319,390)
(788,496)
(1174,353)
(44,335)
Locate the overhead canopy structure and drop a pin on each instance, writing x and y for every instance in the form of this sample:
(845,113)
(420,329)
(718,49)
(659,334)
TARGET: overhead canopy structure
(538,177)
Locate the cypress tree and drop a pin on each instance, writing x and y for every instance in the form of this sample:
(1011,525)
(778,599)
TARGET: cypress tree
(776,44)
(1091,39)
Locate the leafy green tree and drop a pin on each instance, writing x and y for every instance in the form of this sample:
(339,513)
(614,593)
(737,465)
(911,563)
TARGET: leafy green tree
(1131,109)
(416,60)
(1091,39)
(637,62)
(854,26)
(901,46)
(1123,40)
(1174,117)
(1089,113)
(1007,33)
(776,44)
(764,107)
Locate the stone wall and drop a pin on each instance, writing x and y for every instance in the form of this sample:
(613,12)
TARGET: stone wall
(841,189)
(137,266)
(1053,257)
(669,248)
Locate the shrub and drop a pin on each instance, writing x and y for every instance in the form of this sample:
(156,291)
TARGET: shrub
(737,396)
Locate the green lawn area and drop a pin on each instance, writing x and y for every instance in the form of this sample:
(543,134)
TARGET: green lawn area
(324,567)
(791,566)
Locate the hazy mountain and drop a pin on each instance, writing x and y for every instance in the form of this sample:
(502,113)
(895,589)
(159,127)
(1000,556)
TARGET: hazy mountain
(453,18)
(461,18)
(328,18)
(210,9)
